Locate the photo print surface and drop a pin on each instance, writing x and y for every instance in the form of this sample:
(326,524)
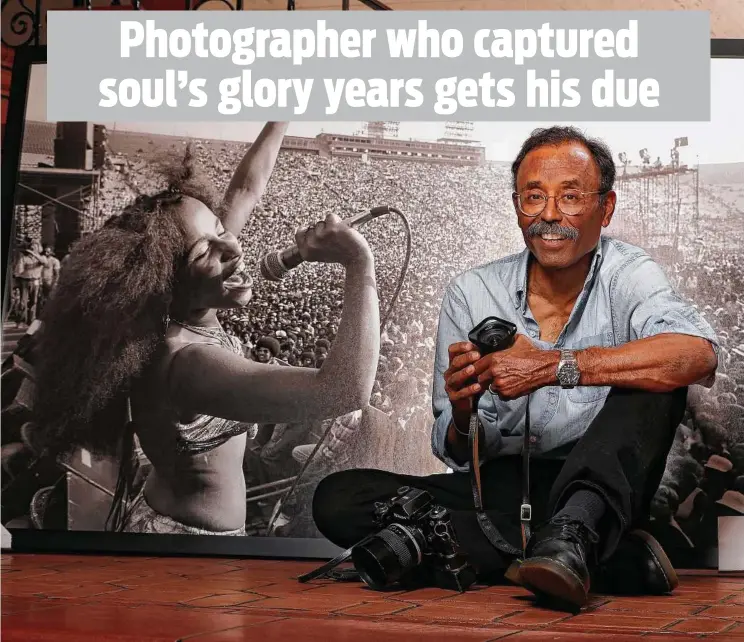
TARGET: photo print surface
(680,196)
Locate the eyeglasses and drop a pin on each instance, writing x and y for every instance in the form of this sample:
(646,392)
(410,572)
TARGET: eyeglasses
(532,202)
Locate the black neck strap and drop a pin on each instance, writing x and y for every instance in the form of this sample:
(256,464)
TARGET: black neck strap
(525,516)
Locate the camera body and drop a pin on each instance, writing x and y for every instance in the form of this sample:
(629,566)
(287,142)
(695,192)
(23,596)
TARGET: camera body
(414,531)
(492,334)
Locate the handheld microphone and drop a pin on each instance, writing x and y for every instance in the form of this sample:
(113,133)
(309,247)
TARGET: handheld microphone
(276,265)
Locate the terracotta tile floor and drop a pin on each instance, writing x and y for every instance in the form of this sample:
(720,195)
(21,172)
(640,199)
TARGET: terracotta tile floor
(85,598)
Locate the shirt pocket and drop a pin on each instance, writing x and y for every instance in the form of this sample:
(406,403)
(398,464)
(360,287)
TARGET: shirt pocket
(588,394)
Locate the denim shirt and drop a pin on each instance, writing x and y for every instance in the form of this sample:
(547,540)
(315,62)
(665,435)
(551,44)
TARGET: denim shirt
(625,297)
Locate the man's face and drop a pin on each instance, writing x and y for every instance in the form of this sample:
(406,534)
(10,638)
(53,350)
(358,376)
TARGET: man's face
(263,355)
(564,239)
(48,251)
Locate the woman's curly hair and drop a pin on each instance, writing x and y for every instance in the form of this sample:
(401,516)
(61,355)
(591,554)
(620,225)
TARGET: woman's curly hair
(107,315)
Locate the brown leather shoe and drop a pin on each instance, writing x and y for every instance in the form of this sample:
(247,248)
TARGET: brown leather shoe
(639,566)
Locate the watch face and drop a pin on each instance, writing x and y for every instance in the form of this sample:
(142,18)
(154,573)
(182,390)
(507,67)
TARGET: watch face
(573,375)
(569,375)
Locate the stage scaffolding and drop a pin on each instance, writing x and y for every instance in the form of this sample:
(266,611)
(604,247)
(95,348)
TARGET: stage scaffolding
(658,209)
(56,205)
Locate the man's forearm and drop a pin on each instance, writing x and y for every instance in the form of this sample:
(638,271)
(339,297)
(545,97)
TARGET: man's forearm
(659,364)
(457,444)
(457,441)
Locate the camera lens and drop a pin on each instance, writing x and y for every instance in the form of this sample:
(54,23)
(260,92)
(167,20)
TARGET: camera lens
(384,559)
(493,336)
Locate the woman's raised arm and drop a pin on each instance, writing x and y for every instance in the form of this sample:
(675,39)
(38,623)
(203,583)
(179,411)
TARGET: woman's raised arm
(251,177)
(210,380)
(213,381)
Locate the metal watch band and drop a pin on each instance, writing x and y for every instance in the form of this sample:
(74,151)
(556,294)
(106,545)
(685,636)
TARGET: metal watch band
(568,358)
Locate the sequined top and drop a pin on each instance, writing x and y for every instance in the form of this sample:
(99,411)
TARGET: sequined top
(206,433)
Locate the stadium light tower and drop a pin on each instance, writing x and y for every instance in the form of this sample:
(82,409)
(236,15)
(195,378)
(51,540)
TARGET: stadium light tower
(457,131)
(645,159)
(674,153)
(382,129)
(624,160)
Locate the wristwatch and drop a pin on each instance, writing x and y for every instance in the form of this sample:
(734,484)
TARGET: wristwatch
(568,372)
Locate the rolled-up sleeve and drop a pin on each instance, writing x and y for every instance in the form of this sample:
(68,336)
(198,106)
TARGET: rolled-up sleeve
(455,322)
(654,307)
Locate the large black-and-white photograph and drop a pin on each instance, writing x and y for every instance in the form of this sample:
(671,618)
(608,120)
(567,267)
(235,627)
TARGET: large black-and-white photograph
(203,321)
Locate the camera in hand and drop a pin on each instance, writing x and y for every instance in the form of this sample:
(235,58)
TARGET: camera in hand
(492,334)
(414,531)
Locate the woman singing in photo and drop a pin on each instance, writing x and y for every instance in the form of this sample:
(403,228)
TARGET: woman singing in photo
(133,325)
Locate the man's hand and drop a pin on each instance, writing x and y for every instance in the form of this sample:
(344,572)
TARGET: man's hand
(459,383)
(518,370)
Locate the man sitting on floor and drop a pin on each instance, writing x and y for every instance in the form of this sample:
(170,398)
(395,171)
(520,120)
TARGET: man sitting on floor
(604,354)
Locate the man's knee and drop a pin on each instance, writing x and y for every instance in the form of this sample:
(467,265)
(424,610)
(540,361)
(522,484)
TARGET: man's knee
(336,514)
(329,500)
(631,400)
(674,404)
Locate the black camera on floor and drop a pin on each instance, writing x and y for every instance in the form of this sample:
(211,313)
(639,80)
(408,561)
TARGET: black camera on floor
(416,536)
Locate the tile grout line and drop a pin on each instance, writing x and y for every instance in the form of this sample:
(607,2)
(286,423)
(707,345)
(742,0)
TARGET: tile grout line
(191,636)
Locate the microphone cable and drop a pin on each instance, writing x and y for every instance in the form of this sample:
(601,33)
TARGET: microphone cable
(404,268)
(383,323)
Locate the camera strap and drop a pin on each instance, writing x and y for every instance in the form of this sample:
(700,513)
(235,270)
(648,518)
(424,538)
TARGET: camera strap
(327,568)
(489,530)
(525,510)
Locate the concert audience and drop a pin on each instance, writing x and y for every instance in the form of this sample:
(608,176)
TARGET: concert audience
(295,321)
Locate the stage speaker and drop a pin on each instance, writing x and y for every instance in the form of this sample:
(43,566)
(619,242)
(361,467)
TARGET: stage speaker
(80,498)
(49,225)
(100,140)
(80,132)
(73,146)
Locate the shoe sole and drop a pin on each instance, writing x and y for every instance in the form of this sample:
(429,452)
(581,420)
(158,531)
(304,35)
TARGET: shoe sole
(653,547)
(545,576)
(512,573)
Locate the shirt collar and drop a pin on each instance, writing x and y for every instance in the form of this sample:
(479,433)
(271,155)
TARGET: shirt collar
(522,271)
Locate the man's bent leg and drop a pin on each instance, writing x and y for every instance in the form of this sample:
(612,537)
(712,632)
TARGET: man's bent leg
(622,457)
(605,486)
(25,299)
(344,508)
(33,311)
(344,503)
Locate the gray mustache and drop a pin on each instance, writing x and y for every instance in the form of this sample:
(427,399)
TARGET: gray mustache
(544,227)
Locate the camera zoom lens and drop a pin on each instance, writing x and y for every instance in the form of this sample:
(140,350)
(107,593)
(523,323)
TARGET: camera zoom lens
(493,337)
(383,559)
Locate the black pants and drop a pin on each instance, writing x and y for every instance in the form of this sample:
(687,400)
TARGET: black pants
(622,455)
(29,299)
(44,295)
